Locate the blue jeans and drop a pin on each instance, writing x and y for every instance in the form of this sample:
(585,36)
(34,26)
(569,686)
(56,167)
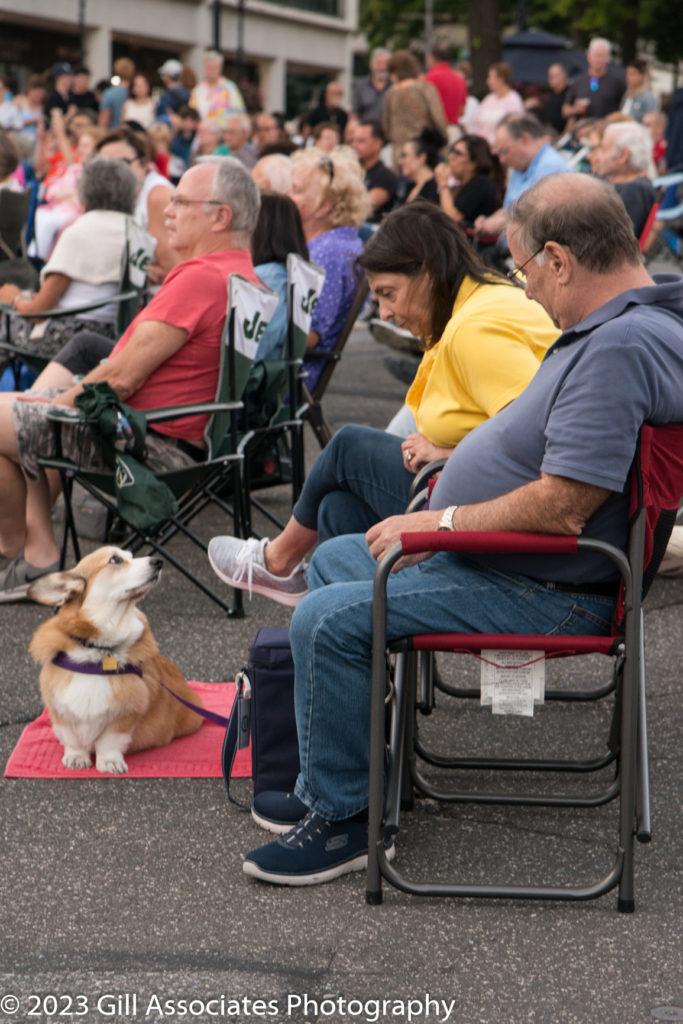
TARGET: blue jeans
(331,636)
(357,480)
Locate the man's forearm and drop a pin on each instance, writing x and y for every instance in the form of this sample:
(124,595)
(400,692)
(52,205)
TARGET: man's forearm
(551,504)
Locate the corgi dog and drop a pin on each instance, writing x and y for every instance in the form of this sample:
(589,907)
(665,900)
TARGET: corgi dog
(102,673)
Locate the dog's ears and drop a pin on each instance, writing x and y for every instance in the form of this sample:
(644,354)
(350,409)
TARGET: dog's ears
(57,588)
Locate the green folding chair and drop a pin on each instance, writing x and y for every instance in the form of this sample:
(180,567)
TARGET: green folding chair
(131,295)
(250,308)
(284,393)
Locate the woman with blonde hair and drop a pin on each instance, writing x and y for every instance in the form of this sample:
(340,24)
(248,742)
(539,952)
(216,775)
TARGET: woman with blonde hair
(333,202)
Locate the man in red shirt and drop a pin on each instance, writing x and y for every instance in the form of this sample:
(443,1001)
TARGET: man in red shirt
(168,356)
(450,84)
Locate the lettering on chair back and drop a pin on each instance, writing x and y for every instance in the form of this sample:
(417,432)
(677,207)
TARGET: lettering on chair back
(249,311)
(304,284)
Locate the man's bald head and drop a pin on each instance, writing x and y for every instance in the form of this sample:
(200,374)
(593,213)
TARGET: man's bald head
(582,213)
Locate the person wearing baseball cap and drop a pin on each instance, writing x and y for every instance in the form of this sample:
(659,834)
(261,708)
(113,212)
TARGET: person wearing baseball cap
(60,97)
(175,94)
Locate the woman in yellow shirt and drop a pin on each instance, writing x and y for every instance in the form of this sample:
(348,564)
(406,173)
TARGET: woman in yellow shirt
(490,341)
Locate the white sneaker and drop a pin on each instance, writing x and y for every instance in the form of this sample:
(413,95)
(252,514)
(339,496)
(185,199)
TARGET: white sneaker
(672,563)
(241,564)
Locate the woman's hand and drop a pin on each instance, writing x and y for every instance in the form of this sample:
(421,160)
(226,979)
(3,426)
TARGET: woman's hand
(442,175)
(418,452)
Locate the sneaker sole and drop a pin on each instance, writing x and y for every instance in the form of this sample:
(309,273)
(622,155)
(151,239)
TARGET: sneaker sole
(17,594)
(278,827)
(289,600)
(318,877)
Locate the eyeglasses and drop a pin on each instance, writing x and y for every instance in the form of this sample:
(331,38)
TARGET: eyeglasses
(328,166)
(513,275)
(129,160)
(459,152)
(181,201)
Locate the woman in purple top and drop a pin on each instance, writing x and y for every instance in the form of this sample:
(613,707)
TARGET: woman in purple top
(332,199)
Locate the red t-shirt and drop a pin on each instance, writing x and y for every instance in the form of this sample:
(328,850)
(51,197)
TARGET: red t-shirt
(452,89)
(193,297)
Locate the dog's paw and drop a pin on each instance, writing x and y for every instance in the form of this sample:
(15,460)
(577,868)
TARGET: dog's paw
(76,759)
(111,762)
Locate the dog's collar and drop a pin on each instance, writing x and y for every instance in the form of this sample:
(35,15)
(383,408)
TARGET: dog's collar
(107,666)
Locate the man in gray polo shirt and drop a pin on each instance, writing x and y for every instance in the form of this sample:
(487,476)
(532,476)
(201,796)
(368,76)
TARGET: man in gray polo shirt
(555,460)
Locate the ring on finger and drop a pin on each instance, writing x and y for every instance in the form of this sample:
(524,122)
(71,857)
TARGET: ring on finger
(409,456)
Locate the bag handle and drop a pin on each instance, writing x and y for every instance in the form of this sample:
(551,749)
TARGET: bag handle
(237,733)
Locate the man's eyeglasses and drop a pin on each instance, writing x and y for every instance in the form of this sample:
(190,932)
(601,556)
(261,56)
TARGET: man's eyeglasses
(514,275)
(327,165)
(182,201)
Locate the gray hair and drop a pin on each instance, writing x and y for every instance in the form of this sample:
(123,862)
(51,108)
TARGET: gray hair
(233,185)
(107,185)
(578,211)
(243,120)
(214,55)
(636,139)
(213,126)
(522,124)
(598,41)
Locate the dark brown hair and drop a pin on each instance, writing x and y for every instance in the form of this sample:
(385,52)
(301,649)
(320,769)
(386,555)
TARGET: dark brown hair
(403,65)
(278,230)
(421,239)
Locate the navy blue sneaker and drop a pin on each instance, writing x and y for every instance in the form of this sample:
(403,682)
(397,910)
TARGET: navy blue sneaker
(277,811)
(312,852)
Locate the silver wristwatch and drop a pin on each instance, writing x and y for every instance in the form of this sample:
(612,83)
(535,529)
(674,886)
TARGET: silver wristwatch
(446,521)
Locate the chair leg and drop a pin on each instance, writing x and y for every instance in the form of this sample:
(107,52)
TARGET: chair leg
(69,521)
(643,826)
(373,885)
(628,761)
(320,426)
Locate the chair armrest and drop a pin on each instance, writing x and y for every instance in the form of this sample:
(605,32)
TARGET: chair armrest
(492,543)
(56,314)
(425,474)
(322,355)
(64,414)
(174,412)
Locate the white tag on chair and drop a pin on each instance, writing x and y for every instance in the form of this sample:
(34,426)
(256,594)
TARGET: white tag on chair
(512,681)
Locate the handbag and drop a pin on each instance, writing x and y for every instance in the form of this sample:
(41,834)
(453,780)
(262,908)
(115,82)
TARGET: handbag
(263,712)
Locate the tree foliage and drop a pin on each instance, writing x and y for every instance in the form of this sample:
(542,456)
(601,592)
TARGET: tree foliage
(397,23)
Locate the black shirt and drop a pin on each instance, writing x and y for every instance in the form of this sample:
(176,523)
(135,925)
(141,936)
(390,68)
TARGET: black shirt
(55,99)
(379,176)
(604,98)
(322,113)
(429,191)
(84,101)
(638,197)
(551,111)
(478,197)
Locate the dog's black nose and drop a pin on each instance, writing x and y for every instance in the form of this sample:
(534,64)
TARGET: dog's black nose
(157,563)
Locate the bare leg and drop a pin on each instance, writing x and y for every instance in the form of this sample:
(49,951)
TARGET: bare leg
(285,552)
(12,508)
(53,376)
(39,544)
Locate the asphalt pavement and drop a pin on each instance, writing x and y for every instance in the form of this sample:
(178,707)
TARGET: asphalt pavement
(125,900)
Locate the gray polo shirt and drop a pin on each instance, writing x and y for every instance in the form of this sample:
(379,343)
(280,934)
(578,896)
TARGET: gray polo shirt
(579,418)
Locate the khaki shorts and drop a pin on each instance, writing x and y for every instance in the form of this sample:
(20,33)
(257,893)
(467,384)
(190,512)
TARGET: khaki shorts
(37,437)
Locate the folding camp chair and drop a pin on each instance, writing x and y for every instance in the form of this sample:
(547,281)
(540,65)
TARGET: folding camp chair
(311,410)
(15,267)
(656,486)
(202,483)
(304,284)
(135,259)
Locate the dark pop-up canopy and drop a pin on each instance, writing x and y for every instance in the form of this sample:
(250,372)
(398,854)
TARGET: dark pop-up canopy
(530,54)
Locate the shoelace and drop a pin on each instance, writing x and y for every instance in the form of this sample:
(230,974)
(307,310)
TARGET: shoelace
(245,559)
(307,829)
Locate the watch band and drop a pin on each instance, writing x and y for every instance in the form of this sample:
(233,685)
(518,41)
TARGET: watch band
(446,521)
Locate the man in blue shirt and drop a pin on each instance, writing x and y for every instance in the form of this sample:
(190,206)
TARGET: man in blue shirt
(556,460)
(522,147)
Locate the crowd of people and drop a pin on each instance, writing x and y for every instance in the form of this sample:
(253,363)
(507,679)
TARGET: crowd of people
(446,205)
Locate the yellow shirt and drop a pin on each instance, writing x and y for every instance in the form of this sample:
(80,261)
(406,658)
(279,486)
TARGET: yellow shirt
(489,351)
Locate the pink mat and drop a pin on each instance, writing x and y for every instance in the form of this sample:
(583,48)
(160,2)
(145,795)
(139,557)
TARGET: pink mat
(38,754)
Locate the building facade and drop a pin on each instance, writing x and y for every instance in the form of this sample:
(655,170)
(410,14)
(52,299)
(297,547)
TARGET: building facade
(283,50)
